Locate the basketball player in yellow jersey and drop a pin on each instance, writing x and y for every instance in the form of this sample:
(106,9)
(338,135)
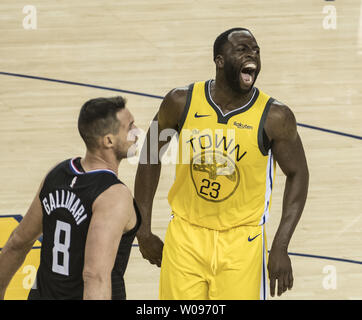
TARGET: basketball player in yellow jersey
(230,136)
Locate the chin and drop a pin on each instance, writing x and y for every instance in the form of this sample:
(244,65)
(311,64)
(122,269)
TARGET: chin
(245,89)
(239,87)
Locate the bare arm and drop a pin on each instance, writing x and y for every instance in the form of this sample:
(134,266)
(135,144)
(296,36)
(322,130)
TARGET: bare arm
(20,242)
(112,212)
(289,153)
(148,174)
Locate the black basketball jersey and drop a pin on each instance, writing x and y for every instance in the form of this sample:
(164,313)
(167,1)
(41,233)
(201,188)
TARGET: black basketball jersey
(67,197)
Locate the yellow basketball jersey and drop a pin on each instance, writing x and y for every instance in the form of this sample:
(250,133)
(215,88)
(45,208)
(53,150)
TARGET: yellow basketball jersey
(224,172)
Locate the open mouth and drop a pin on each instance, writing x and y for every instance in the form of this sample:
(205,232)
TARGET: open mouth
(248,73)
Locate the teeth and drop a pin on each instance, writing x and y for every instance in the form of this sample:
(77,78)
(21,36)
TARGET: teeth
(250,65)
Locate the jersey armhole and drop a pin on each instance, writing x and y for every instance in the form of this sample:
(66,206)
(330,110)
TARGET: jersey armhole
(100,191)
(263,141)
(186,109)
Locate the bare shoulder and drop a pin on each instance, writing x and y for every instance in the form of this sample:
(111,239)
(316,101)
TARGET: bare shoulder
(280,122)
(177,96)
(172,107)
(116,196)
(280,113)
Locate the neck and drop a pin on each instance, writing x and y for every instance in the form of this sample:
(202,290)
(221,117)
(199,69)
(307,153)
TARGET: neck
(225,97)
(96,161)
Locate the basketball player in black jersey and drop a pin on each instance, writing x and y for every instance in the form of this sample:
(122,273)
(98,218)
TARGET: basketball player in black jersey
(87,216)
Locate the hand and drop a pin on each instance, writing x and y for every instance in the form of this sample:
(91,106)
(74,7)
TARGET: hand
(280,268)
(151,247)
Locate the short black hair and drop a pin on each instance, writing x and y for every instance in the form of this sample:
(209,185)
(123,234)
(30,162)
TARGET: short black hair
(223,38)
(98,117)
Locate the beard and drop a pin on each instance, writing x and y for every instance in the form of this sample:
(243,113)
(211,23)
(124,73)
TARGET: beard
(122,153)
(232,77)
(119,155)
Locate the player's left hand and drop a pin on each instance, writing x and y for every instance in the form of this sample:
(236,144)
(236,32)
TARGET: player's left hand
(151,247)
(280,268)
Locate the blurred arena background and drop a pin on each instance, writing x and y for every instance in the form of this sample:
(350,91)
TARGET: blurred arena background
(55,55)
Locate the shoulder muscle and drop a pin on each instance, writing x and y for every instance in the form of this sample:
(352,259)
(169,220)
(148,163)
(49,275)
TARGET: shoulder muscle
(281,123)
(111,200)
(172,107)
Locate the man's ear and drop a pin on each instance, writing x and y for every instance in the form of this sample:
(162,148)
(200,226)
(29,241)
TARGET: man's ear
(108,141)
(219,61)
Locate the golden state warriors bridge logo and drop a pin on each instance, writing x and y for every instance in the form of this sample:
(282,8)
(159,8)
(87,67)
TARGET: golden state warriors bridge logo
(215,175)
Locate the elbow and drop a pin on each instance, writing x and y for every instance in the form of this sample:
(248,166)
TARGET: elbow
(306,174)
(97,285)
(299,178)
(95,276)
(301,173)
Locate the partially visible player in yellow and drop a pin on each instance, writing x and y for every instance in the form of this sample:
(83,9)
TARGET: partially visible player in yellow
(23,279)
(231,134)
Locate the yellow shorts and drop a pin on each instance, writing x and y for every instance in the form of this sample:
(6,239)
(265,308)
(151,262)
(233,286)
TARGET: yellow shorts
(202,264)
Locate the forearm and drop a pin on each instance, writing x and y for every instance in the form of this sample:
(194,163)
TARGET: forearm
(147,178)
(11,258)
(295,195)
